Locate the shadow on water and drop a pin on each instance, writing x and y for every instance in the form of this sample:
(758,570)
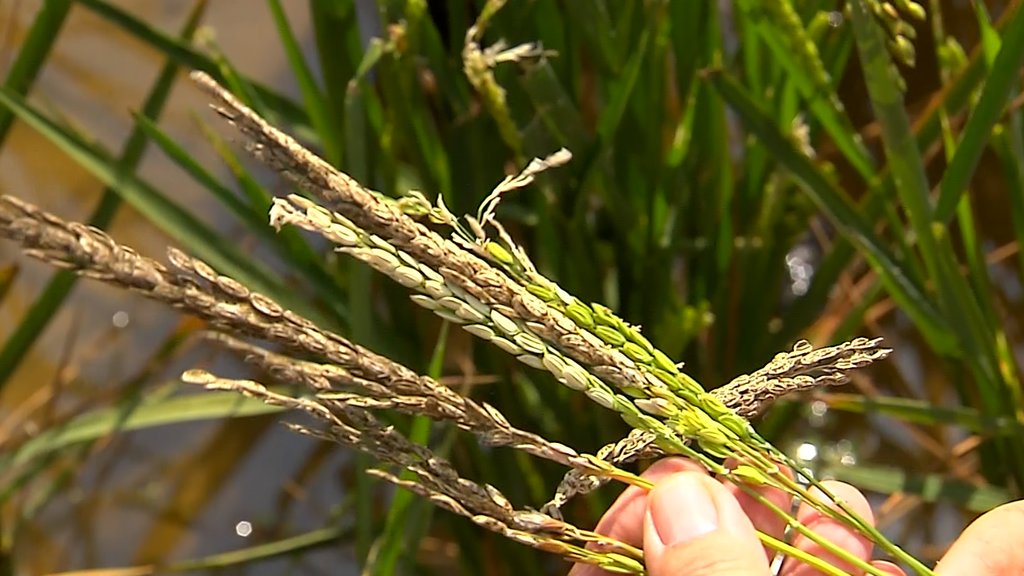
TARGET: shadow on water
(185,491)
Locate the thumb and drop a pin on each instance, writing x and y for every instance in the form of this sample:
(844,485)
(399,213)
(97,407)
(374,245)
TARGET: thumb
(694,526)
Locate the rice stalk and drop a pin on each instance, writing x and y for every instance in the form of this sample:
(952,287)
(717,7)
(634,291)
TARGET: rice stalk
(671,405)
(492,290)
(193,286)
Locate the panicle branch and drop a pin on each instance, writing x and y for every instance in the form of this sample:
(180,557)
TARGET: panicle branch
(436,479)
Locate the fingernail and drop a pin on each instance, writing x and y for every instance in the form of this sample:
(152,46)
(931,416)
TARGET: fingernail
(681,509)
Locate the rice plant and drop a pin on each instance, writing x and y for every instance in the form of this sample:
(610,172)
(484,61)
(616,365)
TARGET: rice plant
(623,205)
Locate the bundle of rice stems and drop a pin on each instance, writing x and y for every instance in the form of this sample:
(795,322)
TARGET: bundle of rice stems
(473,275)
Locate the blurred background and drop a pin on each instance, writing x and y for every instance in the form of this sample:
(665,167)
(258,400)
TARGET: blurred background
(713,194)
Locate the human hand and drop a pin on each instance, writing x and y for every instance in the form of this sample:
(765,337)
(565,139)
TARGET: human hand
(691,523)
